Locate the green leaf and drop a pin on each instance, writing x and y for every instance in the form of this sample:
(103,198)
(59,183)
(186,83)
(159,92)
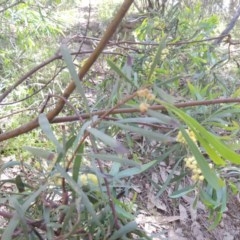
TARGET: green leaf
(166,183)
(141,120)
(115,167)
(157,58)
(163,118)
(46,127)
(115,68)
(13,223)
(208,173)
(9,165)
(164,96)
(68,60)
(19,183)
(182,192)
(76,187)
(21,214)
(129,227)
(234,188)
(47,221)
(143,132)
(80,134)
(122,212)
(207,200)
(135,170)
(39,152)
(114,158)
(77,163)
(218,151)
(216,222)
(108,140)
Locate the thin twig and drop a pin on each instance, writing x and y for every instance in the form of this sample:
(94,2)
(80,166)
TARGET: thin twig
(153,107)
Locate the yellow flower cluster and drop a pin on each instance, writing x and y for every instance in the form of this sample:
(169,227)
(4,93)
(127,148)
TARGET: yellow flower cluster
(88,178)
(191,163)
(164,54)
(143,107)
(145,93)
(190,133)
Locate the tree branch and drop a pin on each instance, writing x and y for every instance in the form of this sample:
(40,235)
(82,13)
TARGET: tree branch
(153,107)
(229,26)
(71,86)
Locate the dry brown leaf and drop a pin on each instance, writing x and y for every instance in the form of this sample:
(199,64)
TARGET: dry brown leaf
(154,177)
(173,235)
(163,173)
(183,213)
(196,231)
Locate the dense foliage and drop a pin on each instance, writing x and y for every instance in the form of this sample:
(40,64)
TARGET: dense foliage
(161,92)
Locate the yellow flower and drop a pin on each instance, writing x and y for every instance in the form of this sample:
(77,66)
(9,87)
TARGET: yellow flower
(210,165)
(150,97)
(191,163)
(87,179)
(143,107)
(195,177)
(190,133)
(143,92)
(201,178)
(189,160)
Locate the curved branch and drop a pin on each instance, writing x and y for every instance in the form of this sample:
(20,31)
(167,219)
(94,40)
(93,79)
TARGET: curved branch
(71,86)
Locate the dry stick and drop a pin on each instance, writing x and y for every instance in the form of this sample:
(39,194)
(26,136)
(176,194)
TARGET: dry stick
(153,107)
(71,86)
(229,27)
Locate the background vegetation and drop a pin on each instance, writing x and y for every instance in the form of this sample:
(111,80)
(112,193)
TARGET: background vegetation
(155,117)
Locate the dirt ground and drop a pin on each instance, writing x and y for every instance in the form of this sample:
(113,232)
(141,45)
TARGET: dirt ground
(165,218)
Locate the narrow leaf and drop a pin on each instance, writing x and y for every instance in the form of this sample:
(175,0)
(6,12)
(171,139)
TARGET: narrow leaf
(129,227)
(108,140)
(13,223)
(214,147)
(115,68)
(76,187)
(77,163)
(68,60)
(46,127)
(182,192)
(114,158)
(143,132)
(166,183)
(208,173)
(135,170)
(157,58)
(39,152)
